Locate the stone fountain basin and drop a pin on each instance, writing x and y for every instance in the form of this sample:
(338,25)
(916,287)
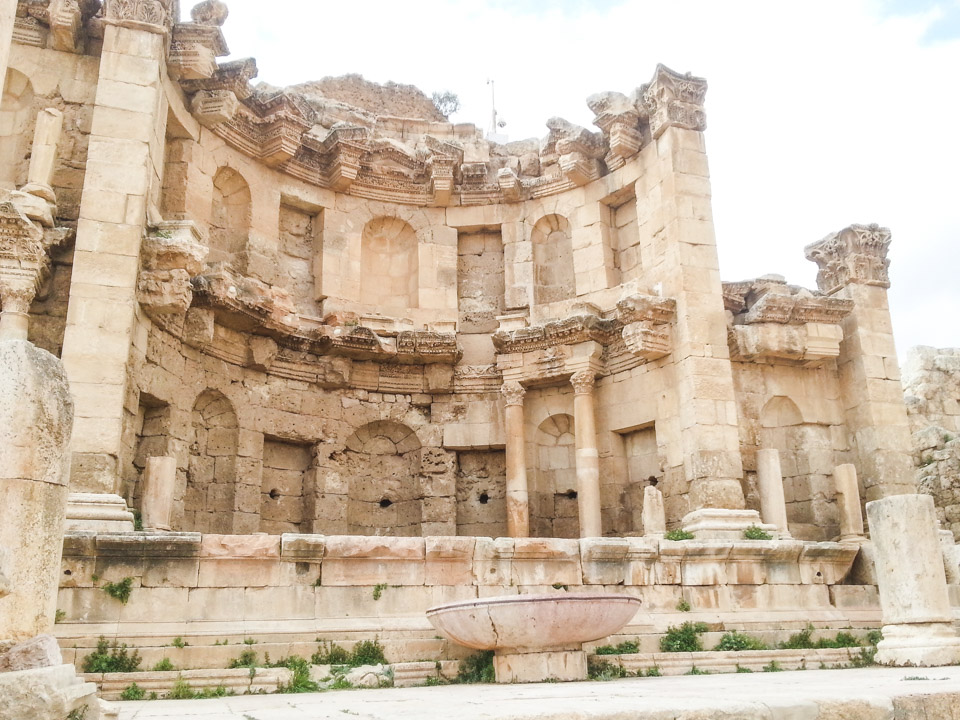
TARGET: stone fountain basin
(533,623)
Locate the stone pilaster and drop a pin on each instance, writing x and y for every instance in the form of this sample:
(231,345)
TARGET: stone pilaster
(518,498)
(678,248)
(588,457)
(853,265)
(123,174)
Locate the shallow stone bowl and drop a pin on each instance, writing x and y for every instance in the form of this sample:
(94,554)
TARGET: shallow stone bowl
(533,623)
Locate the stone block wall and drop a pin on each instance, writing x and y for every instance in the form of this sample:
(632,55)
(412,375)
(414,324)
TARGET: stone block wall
(931,383)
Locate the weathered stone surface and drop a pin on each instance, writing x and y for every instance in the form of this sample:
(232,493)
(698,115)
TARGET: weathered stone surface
(38,652)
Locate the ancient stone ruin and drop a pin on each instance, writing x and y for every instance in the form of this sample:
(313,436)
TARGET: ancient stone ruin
(330,361)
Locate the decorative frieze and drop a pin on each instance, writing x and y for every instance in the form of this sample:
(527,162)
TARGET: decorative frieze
(857,254)
(234,76)
(194,51)
(674,100)
(151,15)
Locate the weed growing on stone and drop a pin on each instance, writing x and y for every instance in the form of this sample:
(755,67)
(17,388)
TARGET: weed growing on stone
(300,681)
(774,666)
(368,652)
(738,642)
(756,533)
(678,535)
(378,590)
(685,638)
(652,672)
(743,670)
(247,659)
(78,713)
(249,641)
(178,642)
(182,690)
(477,668)
(603,670)
(120,590)
(803,640)
(109,658)
(696,671)
(341,683)
(133,692)
(164,666)
(627,647)
(137,521)
(330,654)
(683,606)
(60,616)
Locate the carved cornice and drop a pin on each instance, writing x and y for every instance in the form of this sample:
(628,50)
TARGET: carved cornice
(646,308)
(234,76)
(193,51)
(674,100)
(513,393)
(569,331)
(619,119)
(855,255)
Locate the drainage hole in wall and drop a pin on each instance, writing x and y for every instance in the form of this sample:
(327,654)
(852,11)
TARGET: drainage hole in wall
(484,498)
(274,494)
(68,572)
(386,502)
(652,480)
(572,494)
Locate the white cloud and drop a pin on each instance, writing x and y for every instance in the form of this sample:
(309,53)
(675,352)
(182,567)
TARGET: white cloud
(820,114)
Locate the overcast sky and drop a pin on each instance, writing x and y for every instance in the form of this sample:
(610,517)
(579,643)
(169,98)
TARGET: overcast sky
(820,114)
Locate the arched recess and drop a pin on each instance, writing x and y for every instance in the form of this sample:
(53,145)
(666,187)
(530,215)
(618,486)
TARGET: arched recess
(553,504)
(389,264)
(209,503)
(807,462)
(382,467)
(229,215)
(17,117)
(553,276)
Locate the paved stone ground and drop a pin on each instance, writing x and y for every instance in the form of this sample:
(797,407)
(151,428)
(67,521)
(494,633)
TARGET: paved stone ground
(867,694)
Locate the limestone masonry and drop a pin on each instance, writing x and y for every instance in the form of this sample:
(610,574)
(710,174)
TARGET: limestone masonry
(320,340)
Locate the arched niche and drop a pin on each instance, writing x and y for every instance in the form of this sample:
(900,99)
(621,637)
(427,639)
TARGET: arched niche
(554,509)
(389,265)
(17,119)
(210,499)
(553,275)
(382,466)
(229,215)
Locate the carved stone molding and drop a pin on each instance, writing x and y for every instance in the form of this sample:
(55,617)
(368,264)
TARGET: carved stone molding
(194,50)
(583,382)
(23,258)
(856,254)
(674,100)
(213,107)
(513,393)
(647,340)
(569,331)
(151,15)
(234,76)
(619,119)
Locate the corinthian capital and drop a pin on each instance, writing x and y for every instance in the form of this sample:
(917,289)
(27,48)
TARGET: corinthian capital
(856,254)
(674,100)
(152,15)
(583,382)
(513,392)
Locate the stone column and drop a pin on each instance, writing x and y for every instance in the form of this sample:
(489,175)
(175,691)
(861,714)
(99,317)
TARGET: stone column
(917,618)
(773,508)
(36,417)
(43,156)
(853,265)
(678,244)
(518,498)
(123,170)
(8,9)
(23,263)
(588,457)
(848,502)
(159,484)
(654,515)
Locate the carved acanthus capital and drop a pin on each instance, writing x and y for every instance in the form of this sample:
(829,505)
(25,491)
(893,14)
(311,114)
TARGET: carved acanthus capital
(23,259)
(857,254)
(583,382)
(513,393)
(151,15)
(674,100)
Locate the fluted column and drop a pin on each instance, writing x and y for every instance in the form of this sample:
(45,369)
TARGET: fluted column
(518,499)
(588,459)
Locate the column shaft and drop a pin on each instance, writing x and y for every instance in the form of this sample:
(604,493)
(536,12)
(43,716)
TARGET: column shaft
(588,458)
(518,498)
(8,9)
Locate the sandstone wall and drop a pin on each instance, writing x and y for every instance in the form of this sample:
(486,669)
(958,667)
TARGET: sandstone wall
(931,382)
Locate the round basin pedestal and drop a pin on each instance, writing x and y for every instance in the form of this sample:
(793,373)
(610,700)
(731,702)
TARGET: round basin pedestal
(535,637)
(522,667)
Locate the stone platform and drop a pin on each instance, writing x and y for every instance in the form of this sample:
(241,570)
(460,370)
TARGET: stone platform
(868,694)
